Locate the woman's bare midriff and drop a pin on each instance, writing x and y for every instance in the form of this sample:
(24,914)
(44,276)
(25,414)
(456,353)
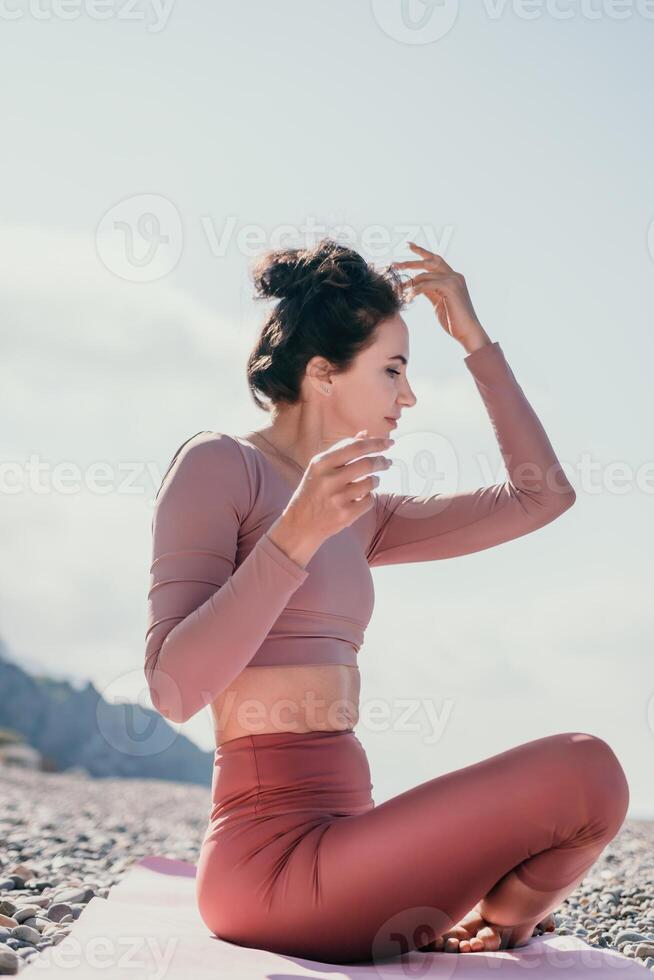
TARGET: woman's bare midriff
(284,698)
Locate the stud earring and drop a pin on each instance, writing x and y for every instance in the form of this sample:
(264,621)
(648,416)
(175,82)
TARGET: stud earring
(325,388)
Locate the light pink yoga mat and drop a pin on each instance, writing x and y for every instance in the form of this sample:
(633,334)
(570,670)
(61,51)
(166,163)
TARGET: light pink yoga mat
(149,927)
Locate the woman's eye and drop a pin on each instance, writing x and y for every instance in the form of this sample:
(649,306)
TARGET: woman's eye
(391,371)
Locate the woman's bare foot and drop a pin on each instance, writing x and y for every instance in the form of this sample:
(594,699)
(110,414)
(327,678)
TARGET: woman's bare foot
(474,934)
(517,935)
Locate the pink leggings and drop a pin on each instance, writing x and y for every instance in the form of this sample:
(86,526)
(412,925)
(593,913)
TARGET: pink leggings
(298,859)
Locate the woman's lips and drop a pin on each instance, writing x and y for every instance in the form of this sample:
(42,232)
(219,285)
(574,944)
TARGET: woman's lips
(393,422)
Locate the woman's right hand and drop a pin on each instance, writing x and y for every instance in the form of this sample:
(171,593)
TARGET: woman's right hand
(335,491)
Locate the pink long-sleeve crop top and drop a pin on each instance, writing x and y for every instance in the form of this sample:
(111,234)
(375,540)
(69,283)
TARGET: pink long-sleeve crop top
(223,596)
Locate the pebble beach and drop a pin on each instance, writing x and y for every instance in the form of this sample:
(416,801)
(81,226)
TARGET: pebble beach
(60,847)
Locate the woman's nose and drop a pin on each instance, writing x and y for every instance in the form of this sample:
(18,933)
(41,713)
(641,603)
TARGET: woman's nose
(408,398)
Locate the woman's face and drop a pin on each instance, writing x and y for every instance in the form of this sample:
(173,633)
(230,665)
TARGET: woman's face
(374,391)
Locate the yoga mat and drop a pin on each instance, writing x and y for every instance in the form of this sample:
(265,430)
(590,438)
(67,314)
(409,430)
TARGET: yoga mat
(149,927)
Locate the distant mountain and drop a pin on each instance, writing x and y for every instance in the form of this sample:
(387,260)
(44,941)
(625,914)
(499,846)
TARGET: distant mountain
(76,727)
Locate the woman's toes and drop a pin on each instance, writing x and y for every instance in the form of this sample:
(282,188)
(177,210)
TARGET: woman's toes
(464,946)
(490,937)
(453,937)
(447,942)
(548,924)
(477,944)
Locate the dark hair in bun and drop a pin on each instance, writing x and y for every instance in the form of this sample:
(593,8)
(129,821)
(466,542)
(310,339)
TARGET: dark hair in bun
(331,301)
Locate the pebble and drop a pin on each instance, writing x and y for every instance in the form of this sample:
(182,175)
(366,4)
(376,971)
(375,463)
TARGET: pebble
(26,912)
(27,934)
(9,962)
(629,936)
(57,911)
(66,839)
(71,895)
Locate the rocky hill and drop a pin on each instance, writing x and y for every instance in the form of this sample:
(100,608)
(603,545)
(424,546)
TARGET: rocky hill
(78,729)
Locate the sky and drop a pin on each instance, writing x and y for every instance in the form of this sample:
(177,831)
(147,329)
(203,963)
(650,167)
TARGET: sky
(153,150)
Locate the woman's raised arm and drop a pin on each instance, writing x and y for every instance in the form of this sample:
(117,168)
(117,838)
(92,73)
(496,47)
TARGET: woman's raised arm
(445,525)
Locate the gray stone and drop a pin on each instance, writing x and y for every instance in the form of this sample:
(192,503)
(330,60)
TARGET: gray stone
(27,934)
(71,895)
(9,961)
(26,912)
(57,911)
(629,936)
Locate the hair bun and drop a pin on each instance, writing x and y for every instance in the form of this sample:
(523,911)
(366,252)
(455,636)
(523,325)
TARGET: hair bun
(278,274)
(298,272)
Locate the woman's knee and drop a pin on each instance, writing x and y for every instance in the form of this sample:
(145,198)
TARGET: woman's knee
(599,771)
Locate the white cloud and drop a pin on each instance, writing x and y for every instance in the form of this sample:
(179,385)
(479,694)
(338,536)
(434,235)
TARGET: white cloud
(95,369)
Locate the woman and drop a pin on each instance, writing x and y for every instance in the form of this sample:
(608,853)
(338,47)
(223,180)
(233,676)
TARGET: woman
(260,594)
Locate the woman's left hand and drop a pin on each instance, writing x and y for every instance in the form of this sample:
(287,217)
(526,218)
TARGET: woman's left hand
(446,290)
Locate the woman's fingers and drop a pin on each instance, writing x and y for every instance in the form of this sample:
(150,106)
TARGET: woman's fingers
(354,454)
(359,447)
(423,251)
(418,263)
(432,258)
(433,277)
(438,263)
